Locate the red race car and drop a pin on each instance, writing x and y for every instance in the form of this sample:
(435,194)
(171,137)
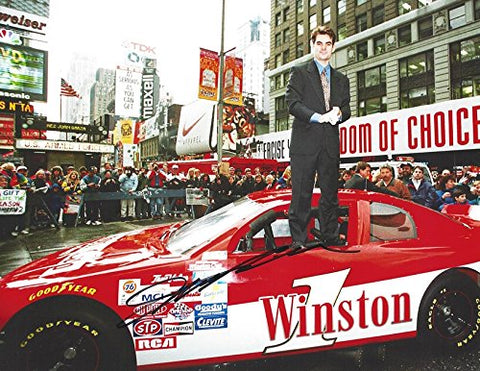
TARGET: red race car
(227,287)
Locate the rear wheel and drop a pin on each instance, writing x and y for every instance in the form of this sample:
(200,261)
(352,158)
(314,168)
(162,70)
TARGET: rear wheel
(450,313)
(69,334)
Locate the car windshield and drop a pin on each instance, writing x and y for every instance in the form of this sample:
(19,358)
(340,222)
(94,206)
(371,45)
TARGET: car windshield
(210,226)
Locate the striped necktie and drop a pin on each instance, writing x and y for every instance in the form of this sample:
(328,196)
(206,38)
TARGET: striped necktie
(326,89)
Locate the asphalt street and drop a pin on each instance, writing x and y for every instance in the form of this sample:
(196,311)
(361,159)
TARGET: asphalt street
(405,355)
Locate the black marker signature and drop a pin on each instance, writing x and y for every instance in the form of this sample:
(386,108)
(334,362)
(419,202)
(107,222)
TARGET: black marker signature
(201,284)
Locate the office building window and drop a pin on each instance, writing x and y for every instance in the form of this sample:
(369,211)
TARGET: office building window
(299,50)
(313,3)
(456,17)
(379,45)
(280,103)
(286,78)
(477,9)
(342,32)
(378,15)
(362,51)
(417,80)
(286,12)
(278,60)
(286,36)
(361,22)
(313,21)
(372,91)
(278,40)
(425,28)
(465,68)
(281,124)
(326,15)
(360,2)
(278,19)
(300,30)
(285,55)
(299,6)
(278,81)
(342,6)
(405,35)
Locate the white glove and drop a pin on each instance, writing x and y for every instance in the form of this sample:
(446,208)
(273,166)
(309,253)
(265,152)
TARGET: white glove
(332,117)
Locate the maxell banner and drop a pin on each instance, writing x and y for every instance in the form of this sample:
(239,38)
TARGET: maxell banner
(149,93)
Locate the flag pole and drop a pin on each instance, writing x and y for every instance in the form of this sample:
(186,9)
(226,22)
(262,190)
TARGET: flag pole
(220,94)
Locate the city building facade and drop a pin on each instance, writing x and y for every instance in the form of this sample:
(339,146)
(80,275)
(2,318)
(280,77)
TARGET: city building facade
(397,54)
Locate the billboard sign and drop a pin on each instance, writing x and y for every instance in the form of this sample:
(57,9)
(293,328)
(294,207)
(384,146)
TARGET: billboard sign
(128,92)
(23,73)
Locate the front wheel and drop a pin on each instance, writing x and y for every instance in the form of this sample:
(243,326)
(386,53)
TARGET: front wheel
(450,313)
(68,334)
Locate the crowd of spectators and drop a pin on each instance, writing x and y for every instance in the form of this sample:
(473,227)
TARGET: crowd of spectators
(459,186)
(51,193)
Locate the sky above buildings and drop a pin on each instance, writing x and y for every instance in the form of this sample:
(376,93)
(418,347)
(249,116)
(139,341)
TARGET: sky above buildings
(174,29)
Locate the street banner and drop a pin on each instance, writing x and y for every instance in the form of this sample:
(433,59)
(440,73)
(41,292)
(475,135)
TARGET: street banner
(209,66)
(452,125)
(12,201)
(233,81)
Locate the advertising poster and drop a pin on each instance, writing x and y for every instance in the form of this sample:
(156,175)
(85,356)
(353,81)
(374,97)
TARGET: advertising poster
(23,71)
(233,81)
(12,201)
(209,66)
(128,92)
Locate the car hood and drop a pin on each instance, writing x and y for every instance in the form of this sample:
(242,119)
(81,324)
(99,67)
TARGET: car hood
(115,253)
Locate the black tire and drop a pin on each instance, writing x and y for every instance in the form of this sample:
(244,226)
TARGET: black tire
(449,317)
(74,334)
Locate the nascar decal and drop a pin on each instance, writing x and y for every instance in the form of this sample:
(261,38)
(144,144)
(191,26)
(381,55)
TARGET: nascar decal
(66,287)
(316,319)
(147,327)
(178,328)
(155,343)
(210,316)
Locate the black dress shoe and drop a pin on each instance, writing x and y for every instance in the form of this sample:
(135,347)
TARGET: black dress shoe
(296,245)
(336,241)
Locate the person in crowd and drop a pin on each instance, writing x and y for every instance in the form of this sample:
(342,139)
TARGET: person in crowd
(247,182)
(204,181)
(192,180)
(445,188)
(141,204)
(388,181)
(421,191)
(23,226)
(109,209)
(55,202)
(71,184)
(361,180)
(219,189)
(406,172)
(344,177)
(259,184)
(106,166)
(128,184)
(460,197)
(270,182)
(57,175)
(7,222)
(40,188)
(285,180)
(70,168)
(175,180)
(156,181)
(82,172)
(91,184)
(475,191)
(117,173)
(15,180)
(234,191)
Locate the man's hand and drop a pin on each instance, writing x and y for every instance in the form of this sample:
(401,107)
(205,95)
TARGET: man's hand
(332,117)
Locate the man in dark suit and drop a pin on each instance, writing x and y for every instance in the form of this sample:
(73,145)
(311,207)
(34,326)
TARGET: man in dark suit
(360,180)
(318,96)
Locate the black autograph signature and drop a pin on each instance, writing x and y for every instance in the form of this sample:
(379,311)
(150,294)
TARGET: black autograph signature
(200,284)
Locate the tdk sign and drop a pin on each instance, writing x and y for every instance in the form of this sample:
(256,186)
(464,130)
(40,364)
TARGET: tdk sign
(208,323)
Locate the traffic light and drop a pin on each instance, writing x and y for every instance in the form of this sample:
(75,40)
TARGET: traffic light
(101,127)
(28,121)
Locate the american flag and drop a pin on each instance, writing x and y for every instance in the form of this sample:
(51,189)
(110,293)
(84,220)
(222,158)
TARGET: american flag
(67,90)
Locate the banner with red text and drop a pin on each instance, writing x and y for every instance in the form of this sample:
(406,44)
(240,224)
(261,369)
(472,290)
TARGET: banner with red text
(452,125)
(209,66)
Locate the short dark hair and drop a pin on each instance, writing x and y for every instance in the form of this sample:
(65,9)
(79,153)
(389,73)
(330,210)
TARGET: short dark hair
(362,165)
(323,30)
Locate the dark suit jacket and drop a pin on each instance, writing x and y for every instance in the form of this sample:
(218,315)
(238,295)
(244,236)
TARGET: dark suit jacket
(304,97)
(359,182)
